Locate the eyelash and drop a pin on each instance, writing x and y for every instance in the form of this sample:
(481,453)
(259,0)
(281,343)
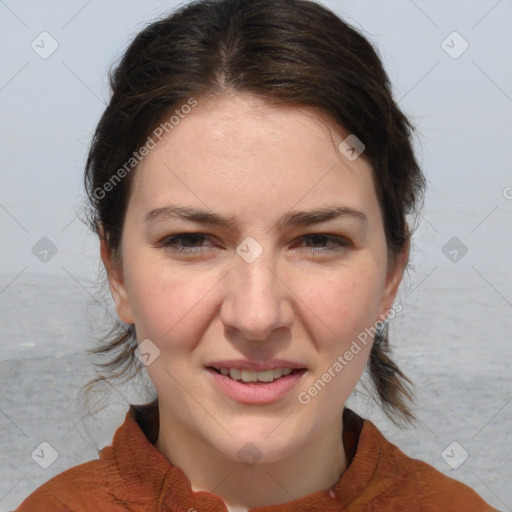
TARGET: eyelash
(169,243)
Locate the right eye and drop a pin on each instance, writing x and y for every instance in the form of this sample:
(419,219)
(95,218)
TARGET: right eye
(184,242)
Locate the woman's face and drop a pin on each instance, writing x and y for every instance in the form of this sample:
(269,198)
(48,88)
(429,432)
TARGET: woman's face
(277,285)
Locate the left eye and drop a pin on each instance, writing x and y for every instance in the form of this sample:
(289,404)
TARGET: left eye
(319,239)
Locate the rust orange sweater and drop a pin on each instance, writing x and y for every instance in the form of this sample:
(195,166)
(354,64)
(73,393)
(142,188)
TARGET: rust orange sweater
(132,475)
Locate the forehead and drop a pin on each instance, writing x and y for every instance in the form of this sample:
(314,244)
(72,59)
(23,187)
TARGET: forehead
(239,150)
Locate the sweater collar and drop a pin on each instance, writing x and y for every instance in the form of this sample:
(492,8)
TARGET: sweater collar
(144,472)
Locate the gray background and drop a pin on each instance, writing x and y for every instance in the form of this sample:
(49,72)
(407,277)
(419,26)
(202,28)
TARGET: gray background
(453,335)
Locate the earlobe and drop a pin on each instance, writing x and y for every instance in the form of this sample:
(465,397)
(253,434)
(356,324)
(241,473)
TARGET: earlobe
(116,283)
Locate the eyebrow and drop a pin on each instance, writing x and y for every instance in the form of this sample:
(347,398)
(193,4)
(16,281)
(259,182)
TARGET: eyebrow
(293,218)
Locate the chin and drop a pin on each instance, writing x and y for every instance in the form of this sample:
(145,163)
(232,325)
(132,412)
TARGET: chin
(251,446)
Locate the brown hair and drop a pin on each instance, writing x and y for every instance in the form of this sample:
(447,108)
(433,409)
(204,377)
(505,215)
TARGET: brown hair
(288,52)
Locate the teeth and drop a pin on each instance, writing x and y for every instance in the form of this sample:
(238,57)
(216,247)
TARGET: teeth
(235,373)
(279,372)
(267,376)
(252,376)
(249,376)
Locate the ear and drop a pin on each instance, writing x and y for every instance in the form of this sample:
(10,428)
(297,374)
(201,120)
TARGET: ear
(393,279)
(116,283)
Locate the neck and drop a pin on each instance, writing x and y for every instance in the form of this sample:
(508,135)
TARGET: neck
(314,467)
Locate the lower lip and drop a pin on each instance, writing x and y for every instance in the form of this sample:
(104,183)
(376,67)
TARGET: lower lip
(256,392)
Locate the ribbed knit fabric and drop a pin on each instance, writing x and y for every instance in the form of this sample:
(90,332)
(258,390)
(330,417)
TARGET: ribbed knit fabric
(132,475)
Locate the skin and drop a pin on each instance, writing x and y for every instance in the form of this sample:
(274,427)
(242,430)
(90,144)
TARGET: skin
(238,156)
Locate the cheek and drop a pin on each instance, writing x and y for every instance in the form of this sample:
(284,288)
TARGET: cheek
(159,298)
(346,305)
(166,305)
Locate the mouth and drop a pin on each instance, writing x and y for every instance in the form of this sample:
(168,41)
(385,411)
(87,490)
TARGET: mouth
(252,387)
(257,377)
(256,382)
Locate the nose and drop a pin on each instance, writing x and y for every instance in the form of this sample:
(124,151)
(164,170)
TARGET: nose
(257,301)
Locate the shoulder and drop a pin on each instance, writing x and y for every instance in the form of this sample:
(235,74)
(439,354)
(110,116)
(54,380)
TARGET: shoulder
(382,477)
(113,482)
(416,482)
(80,488)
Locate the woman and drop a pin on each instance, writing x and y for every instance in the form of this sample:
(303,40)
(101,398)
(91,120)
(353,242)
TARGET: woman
(249,183)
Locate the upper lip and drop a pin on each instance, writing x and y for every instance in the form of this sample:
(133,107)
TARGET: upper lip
(245,364)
